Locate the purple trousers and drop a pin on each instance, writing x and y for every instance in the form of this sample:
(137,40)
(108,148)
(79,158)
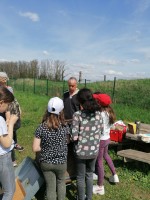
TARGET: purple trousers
(103,153)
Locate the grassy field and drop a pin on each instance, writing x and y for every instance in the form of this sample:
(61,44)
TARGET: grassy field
(127,92)
(134,178)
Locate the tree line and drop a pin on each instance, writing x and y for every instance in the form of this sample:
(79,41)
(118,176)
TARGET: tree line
(45,69)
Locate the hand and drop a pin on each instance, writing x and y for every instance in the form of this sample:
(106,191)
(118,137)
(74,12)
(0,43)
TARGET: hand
(13,119)
(7,122)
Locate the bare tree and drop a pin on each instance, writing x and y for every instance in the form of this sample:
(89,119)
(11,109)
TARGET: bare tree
(48,69)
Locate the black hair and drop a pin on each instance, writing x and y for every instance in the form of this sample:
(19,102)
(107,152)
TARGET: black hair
(85,98)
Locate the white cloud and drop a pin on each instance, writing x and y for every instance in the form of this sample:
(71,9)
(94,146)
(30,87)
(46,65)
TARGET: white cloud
(109,62)
(136,61)
(116,62)
(143,6)
(145,51)
(45,52)
(82,66)
(33,16)
(3,60)
(62,12)
(112,72)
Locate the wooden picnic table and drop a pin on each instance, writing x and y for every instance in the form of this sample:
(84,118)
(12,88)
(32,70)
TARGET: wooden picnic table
(134,137)
(144,128)
(140,150)
(131,154)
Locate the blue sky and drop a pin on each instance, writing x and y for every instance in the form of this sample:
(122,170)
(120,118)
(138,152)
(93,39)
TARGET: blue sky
(97,37)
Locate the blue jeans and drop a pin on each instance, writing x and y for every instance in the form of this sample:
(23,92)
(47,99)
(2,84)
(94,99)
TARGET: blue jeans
(55,180)
(7,176)
(85,169)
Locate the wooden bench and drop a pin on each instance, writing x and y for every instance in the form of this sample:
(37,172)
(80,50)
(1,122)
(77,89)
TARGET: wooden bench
(130,155)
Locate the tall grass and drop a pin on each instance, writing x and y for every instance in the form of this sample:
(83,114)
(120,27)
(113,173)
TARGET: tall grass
(135,93)
(134,180)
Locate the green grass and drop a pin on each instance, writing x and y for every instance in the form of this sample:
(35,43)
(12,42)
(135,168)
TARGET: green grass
(134,179)
(127,92)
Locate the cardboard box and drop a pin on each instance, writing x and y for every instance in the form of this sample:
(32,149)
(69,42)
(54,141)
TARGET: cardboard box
(117,135)
(20,192)
(30,177)
(132,128)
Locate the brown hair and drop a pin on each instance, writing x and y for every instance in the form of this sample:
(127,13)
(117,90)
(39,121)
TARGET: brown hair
(53,121)
(6,95)
(112,116)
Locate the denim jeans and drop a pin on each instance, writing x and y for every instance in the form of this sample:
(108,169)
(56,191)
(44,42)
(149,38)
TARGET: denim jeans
(7,176)
(85,169)
(55,180)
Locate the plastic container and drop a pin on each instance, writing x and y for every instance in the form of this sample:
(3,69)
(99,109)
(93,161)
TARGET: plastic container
(117,135)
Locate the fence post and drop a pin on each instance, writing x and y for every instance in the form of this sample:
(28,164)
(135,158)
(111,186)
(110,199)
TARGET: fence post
(63,86)
(85,83)
(47,87)
(113,94)
(104,77)
(14,86)
(34,86)
(23,84)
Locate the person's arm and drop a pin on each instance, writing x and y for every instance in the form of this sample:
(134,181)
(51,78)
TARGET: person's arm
(68,139)
(36,147)
(75,127)
(68,130)
(7,115)
(6,139)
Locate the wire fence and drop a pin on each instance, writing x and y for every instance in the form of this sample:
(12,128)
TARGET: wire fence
(53,88)
(127,92)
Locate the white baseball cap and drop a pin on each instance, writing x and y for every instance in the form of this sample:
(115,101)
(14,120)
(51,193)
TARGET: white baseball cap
(55,105)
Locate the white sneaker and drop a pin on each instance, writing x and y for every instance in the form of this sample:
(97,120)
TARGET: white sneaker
(95,177)
(114,179)
(98,190)
(14,163)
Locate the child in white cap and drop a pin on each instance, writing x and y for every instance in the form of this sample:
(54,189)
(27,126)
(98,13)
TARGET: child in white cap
(51,142)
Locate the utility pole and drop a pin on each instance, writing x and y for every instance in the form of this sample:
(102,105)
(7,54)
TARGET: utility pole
(80,76)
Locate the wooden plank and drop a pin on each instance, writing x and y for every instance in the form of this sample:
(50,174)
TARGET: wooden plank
(135,155)
(144,128)
(20,192)
(131,136)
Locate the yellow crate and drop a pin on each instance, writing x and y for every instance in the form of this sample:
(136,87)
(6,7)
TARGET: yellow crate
(132,128)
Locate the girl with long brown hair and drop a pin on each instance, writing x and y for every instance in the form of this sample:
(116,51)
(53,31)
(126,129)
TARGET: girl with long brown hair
(51,142)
